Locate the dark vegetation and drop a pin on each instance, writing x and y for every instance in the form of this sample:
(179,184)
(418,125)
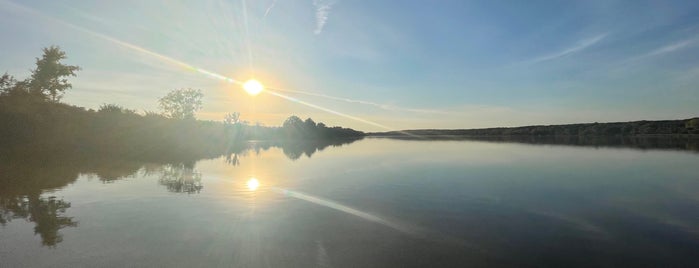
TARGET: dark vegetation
(658,142)
(33,120)
(688,127)
(666,134)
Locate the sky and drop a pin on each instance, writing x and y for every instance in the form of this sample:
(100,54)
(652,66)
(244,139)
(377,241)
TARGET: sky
(374,65)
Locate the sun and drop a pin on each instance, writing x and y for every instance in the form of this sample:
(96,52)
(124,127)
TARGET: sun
(253,87)
(252,184)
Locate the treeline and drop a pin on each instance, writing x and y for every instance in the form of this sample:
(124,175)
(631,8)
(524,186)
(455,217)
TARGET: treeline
(32,120)
(688,127)
(31,125)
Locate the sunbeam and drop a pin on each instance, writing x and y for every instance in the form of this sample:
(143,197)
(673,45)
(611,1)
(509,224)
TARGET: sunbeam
(202,71)
(346,209)
(326,109)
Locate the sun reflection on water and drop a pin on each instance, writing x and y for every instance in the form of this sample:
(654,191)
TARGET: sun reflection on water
(252,184)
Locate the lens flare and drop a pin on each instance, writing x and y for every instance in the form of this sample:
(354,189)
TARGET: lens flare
(337,206)
(253,87)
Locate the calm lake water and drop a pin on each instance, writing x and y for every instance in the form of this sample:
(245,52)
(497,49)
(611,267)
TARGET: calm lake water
(374,202)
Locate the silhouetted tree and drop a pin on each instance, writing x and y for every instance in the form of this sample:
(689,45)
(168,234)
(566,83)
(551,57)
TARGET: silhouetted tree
(692,124)
(293,127)
(309,125)
(292,122)
(231,118)
(181,103)
(114,109)
(7,84)
(49,77)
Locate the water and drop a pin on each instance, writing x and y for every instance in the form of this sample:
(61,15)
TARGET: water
(375,202)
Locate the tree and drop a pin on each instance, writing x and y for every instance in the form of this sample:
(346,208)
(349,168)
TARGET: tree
(7,84)
(292,122)
(692,124)
(49,78)
(114,109)
(231,118)
(181,103)
(309,124)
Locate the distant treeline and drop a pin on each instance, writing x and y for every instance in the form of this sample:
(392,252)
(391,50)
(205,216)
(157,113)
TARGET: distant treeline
(32,126)
(33,120)
(688,127)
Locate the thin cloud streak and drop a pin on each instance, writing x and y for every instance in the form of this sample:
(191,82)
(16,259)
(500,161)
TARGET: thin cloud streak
(581,45)
(270,8)
(322,11)
(669,48)
(378,105)
(656,52)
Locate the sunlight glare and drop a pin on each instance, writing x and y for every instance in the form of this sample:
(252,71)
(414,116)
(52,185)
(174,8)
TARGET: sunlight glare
(253,87)
(253,184)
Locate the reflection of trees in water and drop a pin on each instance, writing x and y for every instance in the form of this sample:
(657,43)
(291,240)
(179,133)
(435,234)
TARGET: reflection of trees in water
(636,142)
(181,178)
(232,159)
(111,171)
(295,149)
(46,213)
(292,149)
(22,183)
(25,179)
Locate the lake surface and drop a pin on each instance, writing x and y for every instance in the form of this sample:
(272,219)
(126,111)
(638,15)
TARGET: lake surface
(374,202)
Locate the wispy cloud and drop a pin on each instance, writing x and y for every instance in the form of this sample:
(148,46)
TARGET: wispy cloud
(270,8)
(388,107)
(579,46)
(322,12)
(670,48)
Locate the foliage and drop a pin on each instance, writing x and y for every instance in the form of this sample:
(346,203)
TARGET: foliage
(7,83)
(114,108)
(182,103)
(49,77)
(636,128)
(292,122)
(295,128)
(231,118)
(692,124)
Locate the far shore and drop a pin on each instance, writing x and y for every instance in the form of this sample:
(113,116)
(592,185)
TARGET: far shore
(685,128)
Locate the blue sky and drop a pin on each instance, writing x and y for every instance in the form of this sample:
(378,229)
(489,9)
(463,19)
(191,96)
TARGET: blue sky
(400,64)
